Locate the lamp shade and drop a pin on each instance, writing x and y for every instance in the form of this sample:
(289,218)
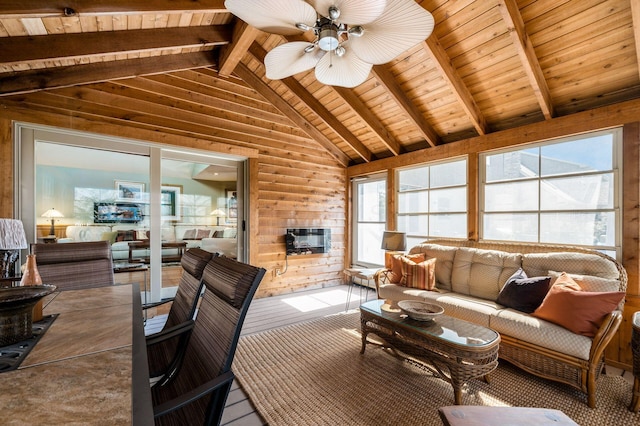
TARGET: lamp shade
(12,236)
(52,213)
(394,241)
(218,212)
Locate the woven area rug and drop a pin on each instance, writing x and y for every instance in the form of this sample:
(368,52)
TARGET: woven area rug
(313,374)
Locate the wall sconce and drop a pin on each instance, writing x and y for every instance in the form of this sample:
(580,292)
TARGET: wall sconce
(52,214)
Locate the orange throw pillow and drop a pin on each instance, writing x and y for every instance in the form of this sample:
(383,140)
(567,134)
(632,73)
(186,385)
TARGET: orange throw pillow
(419,275)
(396,265)
(579,311)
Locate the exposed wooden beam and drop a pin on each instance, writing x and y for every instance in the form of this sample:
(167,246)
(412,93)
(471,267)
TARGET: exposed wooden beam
(230,55)
(314,104)
(635,17)
(442,61)
(56,8)
(33,80)
(368,117)
(269,94)
(386,79)
(522,43)
(58,47)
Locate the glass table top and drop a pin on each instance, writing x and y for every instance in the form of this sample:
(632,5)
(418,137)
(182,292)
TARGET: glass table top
(453,330)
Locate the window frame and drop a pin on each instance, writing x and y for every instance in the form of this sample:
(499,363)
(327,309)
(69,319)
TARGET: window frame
(428,190)
(355,182)
(616,171)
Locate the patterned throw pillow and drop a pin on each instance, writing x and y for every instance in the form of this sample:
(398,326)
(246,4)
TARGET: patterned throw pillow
(579,311)
(419,275)
(202,233)
(396,265)
(189,234)
(126,235)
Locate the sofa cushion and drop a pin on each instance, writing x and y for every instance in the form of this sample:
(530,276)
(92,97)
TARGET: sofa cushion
(536,264)
(444,256)
(523,293)
(189,234)
(589,282)
(129,235)
(579,311)
(418,274)
(395,276)
(527,328)
(395,292)
(482,273)
(468,308)
(109,236)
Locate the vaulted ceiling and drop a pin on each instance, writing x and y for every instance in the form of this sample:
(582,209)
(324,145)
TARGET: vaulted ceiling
(489,65)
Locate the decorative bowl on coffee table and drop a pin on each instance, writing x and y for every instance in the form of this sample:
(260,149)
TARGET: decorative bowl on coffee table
(420,311)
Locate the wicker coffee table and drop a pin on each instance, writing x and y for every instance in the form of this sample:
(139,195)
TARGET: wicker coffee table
(453,349)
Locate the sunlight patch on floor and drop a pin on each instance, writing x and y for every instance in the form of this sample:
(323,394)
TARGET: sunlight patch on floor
(308,303)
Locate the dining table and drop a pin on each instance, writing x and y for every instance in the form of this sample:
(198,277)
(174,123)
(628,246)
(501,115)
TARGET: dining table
(89,367)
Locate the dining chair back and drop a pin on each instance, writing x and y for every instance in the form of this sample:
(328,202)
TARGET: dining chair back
(75,266)
(164,355)
(198,392)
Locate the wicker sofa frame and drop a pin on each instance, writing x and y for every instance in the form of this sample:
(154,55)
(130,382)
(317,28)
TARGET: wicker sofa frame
(544,362)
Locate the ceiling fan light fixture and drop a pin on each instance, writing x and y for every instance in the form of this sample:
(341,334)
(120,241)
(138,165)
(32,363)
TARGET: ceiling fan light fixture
(302,26)
(328,37)
(310,48)
(356,31)
(340,51)
(334,13)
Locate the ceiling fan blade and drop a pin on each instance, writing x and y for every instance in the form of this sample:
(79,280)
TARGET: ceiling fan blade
(352,12)
(273,16)
(345,71)
(403,24)
(289,59)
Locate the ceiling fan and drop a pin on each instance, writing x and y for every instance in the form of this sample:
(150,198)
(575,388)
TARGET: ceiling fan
(350,35)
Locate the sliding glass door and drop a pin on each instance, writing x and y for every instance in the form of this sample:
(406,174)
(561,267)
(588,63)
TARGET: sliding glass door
(150,203)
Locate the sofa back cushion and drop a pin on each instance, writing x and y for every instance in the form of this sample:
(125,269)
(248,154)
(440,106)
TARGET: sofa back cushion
(86,233)
(535,264)
(482,273)
(444,261)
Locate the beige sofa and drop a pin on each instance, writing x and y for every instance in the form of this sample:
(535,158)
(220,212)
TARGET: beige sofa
(199,236)
(469,277)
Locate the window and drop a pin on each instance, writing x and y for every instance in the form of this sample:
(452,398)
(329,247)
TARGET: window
(432,201)
(370,220)
(563,192)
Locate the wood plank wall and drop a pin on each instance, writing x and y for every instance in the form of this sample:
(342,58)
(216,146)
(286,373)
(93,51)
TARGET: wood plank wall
(293,182)
(624,115)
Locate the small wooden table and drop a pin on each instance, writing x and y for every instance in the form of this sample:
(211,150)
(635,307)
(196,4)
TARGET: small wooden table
(455,350)
(145,245)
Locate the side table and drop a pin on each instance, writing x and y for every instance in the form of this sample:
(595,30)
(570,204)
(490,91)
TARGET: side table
(362,274)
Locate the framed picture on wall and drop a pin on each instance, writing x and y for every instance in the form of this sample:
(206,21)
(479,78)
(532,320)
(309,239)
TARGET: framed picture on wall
(170,205)
(232,206)
(129,191)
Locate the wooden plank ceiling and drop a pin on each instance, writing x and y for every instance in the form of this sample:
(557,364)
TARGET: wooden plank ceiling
(489,65)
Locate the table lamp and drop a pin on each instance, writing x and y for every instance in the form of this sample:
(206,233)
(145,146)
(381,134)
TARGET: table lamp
(393,242)
(218,213)
(12,240)
(52,214)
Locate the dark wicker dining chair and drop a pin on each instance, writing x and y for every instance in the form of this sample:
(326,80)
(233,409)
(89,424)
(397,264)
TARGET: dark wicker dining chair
(163,354)
(75,266)
(196,395)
